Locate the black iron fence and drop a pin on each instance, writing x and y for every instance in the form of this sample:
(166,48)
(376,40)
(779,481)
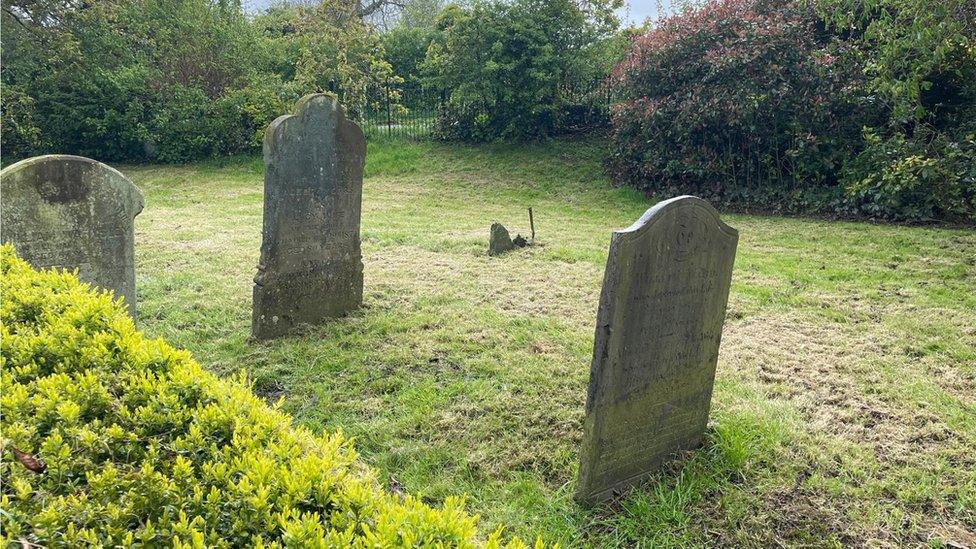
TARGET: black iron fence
(403,110)
(411,110)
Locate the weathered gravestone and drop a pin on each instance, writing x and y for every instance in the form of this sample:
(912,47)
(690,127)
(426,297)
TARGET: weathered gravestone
(311,265)
(499,241)
(75,213)
(656,346)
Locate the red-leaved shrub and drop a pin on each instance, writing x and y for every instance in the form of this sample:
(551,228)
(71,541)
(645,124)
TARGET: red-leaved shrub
(741,101)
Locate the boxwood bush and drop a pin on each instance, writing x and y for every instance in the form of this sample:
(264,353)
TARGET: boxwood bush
(110,438)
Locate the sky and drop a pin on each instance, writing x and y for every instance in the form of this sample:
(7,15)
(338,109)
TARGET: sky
(634,11)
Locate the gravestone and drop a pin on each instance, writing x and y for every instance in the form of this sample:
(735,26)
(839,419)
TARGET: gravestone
(75,213)
(311,264)
(658,329)
(499,241)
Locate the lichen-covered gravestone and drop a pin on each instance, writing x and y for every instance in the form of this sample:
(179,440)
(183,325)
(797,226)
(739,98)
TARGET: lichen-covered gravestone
(656,346)
(311,264)
(75,213)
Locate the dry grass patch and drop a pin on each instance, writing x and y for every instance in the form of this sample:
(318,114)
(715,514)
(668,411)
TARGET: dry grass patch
(515,284)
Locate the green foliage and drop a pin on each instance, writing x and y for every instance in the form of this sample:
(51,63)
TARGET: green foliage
(420,14)
(19,127)
(337,52)
(506,63)
(406,49)
(140,445)
(171,80)
(907,45)
(919,59)
(740,102)
(919,178)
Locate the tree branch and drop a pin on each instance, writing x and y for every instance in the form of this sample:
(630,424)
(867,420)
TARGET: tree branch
(369,9)
(18,20)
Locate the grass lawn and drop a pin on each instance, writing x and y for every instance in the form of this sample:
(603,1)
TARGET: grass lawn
(844,409)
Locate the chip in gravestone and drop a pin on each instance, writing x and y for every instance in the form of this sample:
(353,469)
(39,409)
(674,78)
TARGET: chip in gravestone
(75,213)
(311,264)
(658,330)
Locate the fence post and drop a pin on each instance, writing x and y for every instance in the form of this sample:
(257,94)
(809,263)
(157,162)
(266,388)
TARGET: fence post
(389,115)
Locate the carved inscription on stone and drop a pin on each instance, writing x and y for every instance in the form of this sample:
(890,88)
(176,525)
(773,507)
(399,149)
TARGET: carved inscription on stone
(74,213)
(656,346)
(311,265)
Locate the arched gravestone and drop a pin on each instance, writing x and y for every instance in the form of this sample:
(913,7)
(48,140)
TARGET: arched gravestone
(311,265)
(656,346)
(75,213)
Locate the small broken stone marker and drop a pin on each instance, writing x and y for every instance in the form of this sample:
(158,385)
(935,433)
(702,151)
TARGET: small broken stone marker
(500,241)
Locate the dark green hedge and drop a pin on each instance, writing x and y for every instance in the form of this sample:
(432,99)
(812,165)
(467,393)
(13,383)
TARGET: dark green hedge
(171,80)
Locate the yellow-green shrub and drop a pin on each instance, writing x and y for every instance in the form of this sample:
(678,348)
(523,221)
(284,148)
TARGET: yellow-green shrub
(144,447)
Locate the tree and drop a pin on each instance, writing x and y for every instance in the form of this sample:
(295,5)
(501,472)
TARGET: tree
(406,49)
(908,46)
(505,63)
(326,47)
(920,60)
(171,80)
(766,104)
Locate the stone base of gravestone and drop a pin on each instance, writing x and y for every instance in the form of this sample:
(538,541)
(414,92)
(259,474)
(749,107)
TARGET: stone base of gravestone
(283,305)
(658,331)
(311,265)
(72,212)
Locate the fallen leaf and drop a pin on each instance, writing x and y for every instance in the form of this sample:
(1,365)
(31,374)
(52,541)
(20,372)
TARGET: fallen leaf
(32,464)
(396,487)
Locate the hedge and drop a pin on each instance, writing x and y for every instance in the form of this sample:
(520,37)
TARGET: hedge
(110,438)
(758,105)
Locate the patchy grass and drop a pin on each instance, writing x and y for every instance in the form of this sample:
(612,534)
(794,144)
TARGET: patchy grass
(844,410)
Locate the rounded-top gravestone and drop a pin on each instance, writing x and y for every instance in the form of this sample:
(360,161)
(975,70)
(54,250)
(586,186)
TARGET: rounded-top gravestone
(656,343)
(75,213)
(311,264)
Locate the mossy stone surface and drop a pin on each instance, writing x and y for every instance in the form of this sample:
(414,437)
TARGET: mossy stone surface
(658,330)
(73,212)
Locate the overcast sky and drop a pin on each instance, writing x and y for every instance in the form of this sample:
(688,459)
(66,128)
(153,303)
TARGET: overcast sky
(635,11)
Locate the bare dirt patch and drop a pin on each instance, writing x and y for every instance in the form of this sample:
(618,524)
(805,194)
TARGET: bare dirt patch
(803,363)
